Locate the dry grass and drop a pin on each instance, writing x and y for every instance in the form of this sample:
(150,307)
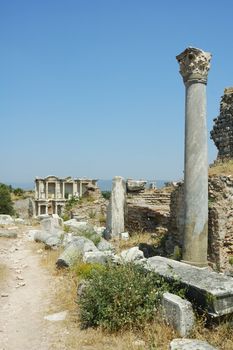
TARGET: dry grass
(225,168)
(134,240)
(153,336)
(220,335)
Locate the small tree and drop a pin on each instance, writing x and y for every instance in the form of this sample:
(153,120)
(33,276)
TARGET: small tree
(18,191)
(6,204)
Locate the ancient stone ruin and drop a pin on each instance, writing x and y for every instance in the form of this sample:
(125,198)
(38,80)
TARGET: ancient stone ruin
(194,66)
(52,192)
(222,133)
(220,222)
(137,208)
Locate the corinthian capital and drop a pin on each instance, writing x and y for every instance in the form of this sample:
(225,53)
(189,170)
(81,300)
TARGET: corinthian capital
(194,65)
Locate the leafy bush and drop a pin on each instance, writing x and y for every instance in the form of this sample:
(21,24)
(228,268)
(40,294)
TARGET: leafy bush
(231,260)
(71,203)
(106,194)
(18,191)
(86,270)
(120,297)
(6,204)
(92,235)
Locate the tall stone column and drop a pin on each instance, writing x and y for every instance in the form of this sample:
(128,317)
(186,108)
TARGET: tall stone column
(194,66)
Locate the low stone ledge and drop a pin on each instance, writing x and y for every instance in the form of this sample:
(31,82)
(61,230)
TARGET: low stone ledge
(211,291)
(178,313)
(190,344)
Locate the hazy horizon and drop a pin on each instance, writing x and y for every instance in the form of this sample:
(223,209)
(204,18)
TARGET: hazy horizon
(93,87)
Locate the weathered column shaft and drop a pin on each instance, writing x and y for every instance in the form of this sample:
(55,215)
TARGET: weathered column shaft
(116,209)
(196,176)
(194,66)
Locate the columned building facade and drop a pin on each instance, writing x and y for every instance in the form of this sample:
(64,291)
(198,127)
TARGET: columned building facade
(52,192)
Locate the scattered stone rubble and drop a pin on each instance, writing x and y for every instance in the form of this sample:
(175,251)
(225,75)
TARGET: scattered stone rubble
(181,315)
(222,133)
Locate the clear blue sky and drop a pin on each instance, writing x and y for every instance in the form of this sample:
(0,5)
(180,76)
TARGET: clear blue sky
(92,87)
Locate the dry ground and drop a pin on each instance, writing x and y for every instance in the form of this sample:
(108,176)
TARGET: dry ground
(31,287)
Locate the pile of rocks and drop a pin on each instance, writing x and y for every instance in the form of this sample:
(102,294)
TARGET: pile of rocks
(81,242)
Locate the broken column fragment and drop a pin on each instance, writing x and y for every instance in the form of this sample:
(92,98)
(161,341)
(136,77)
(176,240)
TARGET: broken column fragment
(116,209)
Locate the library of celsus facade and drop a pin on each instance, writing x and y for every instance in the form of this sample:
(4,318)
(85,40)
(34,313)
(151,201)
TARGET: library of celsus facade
(52,192)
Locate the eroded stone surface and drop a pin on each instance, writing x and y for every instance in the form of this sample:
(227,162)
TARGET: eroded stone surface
(116,209)
(178,313)
(190,344)
(209,290)
(222,133)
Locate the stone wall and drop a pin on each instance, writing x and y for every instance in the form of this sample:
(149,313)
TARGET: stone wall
(148,210)
(222,133)
(220,235)
(91,209)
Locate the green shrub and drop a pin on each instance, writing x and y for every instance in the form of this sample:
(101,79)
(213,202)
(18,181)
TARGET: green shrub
(106,194)
(93,236)
(231,260)
(6,204)
(18,191)
(120,297)
(86,270)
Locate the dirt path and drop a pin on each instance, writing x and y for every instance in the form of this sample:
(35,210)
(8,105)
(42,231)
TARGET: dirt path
(25,298)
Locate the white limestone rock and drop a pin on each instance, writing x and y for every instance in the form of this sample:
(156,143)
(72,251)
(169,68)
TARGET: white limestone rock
(40,236)
(74,224)
(6,219)
(124,235)
(59,316)
(99,230)
(97,257)
(52,242)
(104,245)
(74,251)
(51,224)
(178,313)
(132,254)
(190,344)
(135,185)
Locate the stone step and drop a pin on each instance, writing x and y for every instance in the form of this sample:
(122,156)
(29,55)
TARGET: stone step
(211,291)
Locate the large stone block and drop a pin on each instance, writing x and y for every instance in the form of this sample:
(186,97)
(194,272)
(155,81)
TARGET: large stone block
(209,290)
(6,220)
(75,250)
(190,344)
(97,257)
(51,224)
(178,313)
(130,255)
